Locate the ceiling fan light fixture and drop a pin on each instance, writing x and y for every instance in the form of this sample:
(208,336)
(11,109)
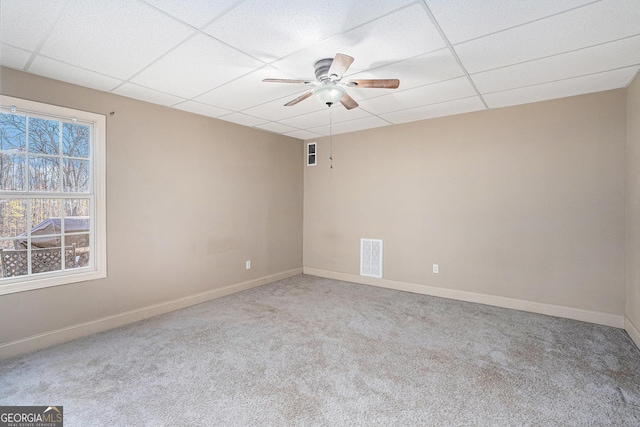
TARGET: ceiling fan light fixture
(330,94)
(328,86)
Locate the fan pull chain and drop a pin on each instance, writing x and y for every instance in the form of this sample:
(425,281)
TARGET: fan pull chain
(330,140)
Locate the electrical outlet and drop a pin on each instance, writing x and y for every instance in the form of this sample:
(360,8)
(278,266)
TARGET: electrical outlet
(435,268)
(248,265)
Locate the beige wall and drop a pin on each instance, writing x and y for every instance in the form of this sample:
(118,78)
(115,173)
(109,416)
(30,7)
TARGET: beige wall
(633,210)
(525,202)
(189,199)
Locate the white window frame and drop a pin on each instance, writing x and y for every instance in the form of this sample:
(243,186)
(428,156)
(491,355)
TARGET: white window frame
(97,268)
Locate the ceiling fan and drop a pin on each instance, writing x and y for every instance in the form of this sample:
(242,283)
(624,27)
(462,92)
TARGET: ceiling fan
(328,85)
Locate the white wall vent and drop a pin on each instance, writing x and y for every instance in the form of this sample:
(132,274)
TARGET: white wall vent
(312,155)
(371,257)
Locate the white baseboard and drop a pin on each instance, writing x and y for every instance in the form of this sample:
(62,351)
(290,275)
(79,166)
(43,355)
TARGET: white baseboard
(633,332)
(69,333)
(517,304)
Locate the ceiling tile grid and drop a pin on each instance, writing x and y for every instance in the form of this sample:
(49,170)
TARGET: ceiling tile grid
(196,13)
(243,119)
(210,57)
(57,70)
(593,24)
(446,108)
(559,89)
(117,37)
(142,93)
(195,66)
(202,109)
(577,63)
(270,30)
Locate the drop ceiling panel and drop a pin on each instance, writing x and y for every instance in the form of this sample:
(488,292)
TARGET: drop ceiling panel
(202,109)
(243,119)
(23,29)
(604,57)
(145,94)
(193,12)
(596,23)
(290,27)
(448,108)
(276,127)
(303,134)
(318,118)
(576,86)
(275,110)
(417,71)
(186,72)
(250,90)
(395,37)
(464,20)
(115,37)
(416,97)
(403,34)
(60,71)
(13,57)
(351,126)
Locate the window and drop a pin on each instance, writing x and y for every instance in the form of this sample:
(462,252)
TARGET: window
(311,154)
(52,195)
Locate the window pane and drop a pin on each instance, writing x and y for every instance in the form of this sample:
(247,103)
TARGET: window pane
(43,209)
(76,207)
(14,263)
(43,260)
(80,240)
(77,221)
(76,176)
(13,217)
(45,222)
(82,249)
(12,132)
(12,172)
(44,136)
(75,228)
(75,140)
(6,245)
(44,174)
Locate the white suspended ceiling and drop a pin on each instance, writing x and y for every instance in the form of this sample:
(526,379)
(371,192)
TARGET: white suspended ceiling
(210,56)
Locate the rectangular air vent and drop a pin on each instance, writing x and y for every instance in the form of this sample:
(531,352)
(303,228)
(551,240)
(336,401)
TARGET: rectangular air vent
(371,257)
(311,154)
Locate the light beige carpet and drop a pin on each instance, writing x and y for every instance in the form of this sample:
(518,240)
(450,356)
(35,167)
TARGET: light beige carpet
(308,351)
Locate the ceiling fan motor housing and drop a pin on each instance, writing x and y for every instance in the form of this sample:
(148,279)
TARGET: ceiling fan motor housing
(322,71)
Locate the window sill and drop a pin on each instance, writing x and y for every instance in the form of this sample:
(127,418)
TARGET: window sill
(29,283)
